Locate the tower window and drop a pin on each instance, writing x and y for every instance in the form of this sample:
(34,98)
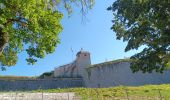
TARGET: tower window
(85,55)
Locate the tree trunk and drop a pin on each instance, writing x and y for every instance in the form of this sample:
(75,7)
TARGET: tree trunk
(3,40)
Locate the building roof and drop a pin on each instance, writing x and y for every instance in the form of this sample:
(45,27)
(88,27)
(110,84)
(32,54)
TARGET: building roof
(82,51)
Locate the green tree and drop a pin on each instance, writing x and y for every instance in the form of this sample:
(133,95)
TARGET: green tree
(33,26)
(144,22)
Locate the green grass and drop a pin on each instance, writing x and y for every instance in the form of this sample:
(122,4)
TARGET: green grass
(110,62)
(16,77)
(150,92)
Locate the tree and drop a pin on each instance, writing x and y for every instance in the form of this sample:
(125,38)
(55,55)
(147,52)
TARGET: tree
(147,23)
(32,26)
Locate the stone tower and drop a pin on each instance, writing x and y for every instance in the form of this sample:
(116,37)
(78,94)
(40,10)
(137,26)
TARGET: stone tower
(82,61)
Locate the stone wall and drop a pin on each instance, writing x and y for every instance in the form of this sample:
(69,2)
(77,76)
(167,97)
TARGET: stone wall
(76,68)
(34,84)
(68,70)
(119,73)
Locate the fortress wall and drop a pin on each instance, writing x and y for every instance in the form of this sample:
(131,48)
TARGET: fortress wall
(82,62)
(69,70)
(34,84)
(119,73)
(76,68)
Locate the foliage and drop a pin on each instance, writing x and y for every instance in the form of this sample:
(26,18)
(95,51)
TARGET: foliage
(84,4)
(32,26)
(147,23)
(48,74)
(145,92)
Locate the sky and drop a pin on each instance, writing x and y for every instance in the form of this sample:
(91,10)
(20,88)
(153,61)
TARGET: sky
(93,34)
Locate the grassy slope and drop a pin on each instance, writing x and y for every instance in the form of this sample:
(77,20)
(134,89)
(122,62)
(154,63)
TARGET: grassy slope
(110,62)
(16,77)
(150,92)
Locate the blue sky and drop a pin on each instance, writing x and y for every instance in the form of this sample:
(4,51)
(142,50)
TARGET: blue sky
(93,35)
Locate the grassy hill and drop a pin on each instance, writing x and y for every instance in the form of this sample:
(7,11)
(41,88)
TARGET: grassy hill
(16,77)
(147,92)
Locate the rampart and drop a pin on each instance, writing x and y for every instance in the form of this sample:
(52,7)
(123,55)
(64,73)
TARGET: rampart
(34,84)
(118,73)
(80,73)
(68,70)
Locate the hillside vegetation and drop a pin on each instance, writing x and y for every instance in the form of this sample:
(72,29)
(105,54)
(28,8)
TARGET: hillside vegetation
(16,77)
(147,92)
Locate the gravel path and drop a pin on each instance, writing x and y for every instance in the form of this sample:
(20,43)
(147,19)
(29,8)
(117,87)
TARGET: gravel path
(37,96)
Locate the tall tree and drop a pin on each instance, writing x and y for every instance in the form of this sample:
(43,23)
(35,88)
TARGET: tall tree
(33,26)
(144,22)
